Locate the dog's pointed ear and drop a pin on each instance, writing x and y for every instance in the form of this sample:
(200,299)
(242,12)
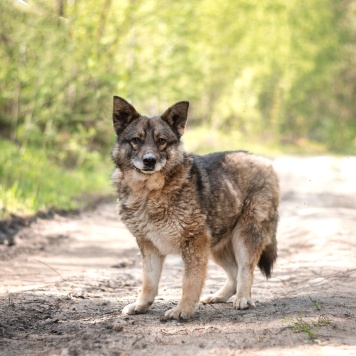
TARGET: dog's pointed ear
(176,116)
(123,114)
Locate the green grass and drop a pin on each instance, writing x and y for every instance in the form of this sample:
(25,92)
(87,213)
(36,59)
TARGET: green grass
(32,179)
(315,304)
(302,326)
(202,140)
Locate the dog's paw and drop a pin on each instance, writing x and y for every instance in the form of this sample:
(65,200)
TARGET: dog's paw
(212,298)
(178,313)
(244,303)
(134,308)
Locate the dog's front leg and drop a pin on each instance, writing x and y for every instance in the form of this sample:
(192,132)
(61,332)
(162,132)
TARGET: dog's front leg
(195,254)
(152,262)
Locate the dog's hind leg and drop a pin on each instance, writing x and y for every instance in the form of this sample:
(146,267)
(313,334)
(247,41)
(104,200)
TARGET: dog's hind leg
(254,243)
(224,257)
(152,267)
(246,264)
(250,238)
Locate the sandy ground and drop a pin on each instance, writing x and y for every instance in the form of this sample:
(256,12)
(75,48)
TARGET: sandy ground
(66,279)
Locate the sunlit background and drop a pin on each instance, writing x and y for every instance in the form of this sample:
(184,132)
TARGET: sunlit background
(269,76)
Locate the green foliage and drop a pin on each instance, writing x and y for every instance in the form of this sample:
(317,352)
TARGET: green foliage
(30,181)
(263,68)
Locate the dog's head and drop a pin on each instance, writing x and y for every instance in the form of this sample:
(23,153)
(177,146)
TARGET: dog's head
(148,144)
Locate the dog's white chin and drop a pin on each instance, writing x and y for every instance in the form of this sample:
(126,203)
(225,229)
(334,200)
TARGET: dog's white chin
(148,172)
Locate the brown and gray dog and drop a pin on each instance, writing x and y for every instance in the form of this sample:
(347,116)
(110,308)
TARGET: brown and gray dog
(222,204)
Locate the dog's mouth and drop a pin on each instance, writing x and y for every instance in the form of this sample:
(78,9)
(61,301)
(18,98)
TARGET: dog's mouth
(149,169)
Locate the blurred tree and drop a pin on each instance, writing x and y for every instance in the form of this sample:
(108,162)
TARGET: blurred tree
(270,68)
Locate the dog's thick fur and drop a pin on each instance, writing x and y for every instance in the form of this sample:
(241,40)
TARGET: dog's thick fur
(222,204)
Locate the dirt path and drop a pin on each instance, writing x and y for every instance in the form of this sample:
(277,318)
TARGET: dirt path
(64,282)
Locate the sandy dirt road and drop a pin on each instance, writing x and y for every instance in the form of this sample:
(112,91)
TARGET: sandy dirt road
(64,282)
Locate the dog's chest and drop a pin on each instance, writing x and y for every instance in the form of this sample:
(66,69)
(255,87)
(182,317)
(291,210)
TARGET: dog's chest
(153,217)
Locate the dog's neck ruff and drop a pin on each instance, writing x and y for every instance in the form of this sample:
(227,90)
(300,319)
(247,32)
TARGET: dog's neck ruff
(141,181)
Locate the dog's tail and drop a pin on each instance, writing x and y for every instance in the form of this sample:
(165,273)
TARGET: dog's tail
(268,257)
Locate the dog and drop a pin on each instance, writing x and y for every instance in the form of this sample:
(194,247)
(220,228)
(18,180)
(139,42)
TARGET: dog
(223,205)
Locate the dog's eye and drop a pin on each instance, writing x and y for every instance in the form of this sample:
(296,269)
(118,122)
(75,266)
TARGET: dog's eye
(161,141)
(136,141)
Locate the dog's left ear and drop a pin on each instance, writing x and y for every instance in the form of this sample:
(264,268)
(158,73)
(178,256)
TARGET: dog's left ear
(176,116)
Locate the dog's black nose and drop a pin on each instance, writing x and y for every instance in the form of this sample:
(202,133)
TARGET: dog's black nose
(149,160)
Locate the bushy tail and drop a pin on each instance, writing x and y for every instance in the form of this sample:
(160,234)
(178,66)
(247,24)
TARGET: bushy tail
(268,257)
